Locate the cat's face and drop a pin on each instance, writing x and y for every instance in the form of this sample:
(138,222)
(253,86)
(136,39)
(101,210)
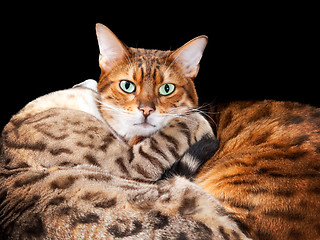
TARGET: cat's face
(142,90)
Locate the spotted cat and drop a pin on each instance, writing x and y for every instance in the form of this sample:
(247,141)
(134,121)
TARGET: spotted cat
(66,172)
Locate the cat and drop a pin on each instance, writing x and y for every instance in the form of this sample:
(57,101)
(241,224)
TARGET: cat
(266,171)
(141,89)
(69,171)
(123,160)
(267,130)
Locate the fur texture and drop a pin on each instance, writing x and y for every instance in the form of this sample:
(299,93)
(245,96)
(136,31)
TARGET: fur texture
(267,169)
(146,73)
(64,175)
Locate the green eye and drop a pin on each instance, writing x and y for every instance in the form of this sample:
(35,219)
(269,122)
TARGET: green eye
(127,86)
(167,89)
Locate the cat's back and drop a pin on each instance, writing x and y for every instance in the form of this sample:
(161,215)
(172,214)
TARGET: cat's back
(268,123)
(267,169)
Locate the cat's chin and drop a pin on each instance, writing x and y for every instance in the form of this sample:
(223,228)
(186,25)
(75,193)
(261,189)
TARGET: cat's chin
(142,129)
(138,127)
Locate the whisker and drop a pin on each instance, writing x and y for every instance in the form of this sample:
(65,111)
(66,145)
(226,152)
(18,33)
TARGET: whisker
(110,107)
(202,111)
(174,113)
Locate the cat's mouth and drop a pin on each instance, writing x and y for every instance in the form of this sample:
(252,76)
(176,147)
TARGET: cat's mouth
(144,124)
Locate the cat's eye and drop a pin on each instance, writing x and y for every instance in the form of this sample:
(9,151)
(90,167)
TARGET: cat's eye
(127,86)
(167,89)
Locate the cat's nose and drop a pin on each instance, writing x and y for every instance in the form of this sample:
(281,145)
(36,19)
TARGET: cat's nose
(147,109)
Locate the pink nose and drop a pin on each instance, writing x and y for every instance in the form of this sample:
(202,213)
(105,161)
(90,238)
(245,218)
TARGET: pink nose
(146,110)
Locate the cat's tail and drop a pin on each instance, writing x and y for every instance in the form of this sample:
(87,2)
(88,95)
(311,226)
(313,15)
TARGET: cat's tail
(189,164)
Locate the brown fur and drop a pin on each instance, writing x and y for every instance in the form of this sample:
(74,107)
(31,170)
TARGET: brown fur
(64,175)
(147,69)
(265,174)
(67,173)
(267,170)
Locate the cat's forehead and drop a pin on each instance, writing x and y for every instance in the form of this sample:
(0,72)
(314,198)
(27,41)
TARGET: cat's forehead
(147,56)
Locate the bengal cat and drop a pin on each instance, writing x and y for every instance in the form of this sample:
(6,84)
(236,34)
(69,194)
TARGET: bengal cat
(71,170)
(267,169)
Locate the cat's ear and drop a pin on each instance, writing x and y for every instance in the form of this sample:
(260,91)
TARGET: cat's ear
(189,55)
(111,48)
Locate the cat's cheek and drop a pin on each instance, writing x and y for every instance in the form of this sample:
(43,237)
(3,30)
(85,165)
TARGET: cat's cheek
(163,121)
(121,127)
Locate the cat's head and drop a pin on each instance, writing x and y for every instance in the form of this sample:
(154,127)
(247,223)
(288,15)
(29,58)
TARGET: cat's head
(142,90)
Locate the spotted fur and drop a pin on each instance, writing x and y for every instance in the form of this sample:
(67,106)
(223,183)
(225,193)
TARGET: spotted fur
(267,169)
(84,163)
(65,175)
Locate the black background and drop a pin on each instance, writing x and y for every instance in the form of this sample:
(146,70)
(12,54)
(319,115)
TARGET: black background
(255,51)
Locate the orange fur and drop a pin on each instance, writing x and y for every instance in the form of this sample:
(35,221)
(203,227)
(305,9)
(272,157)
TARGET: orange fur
(267,169)
(148,69)
(134,84)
